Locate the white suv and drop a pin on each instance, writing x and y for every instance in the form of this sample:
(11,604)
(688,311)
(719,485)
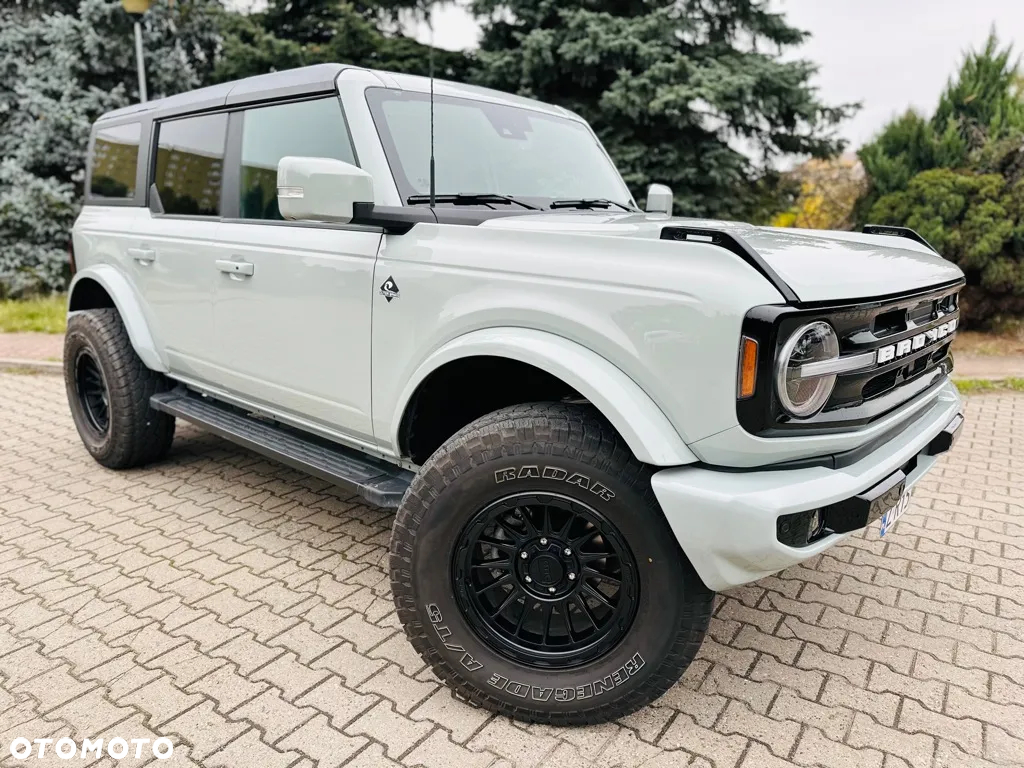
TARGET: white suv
(589,417)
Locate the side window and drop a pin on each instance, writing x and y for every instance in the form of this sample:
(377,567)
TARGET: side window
(190,164)
(306,128)
(115,157)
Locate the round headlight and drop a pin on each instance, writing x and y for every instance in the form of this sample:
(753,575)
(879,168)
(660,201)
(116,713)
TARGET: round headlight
(803,395)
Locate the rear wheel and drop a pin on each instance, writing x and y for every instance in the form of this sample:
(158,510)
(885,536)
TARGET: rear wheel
(532,568)
(108,390)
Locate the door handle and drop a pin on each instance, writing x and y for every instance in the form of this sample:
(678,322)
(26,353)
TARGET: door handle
(235,267)
(144,256)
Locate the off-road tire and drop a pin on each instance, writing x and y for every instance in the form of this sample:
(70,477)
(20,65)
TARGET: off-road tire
(136,434)
(673,607)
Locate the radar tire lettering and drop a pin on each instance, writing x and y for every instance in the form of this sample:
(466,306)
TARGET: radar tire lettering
(554,473)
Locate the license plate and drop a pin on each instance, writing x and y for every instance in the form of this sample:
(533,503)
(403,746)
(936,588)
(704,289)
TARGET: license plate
(891,515)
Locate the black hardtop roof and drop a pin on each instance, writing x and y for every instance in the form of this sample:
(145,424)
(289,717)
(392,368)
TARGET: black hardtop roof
(318,78)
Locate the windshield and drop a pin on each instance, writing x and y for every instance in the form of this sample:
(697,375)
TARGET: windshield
(480,147)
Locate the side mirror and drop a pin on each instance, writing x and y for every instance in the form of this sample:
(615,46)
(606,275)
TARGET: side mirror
(659,199)
(320,189)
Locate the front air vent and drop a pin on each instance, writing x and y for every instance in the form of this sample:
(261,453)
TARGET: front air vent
(924,312)
(889,323)
(880,384)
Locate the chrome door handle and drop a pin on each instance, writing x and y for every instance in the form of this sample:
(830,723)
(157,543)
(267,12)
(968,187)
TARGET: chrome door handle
(235,267)
(144,256)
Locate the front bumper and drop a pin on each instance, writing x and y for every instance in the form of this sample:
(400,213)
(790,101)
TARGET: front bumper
(727,522)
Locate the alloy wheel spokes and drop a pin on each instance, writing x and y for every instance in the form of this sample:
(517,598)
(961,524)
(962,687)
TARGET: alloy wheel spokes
(513,596)
(492,565)
(601,598)
(504,546)
(533,592)
(585,610)
(92,391)
(593,574)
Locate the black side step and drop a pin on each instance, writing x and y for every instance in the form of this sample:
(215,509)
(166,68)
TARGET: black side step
(376,481)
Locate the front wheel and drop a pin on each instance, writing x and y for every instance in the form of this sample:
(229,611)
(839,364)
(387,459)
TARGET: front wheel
(534,571)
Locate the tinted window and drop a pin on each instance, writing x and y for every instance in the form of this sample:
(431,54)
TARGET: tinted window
(306,128)
(115,157)
(190,164)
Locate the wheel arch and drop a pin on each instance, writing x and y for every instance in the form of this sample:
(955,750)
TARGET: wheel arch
(103,286)
(637,418)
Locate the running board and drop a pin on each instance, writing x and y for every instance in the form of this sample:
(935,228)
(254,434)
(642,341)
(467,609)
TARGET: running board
(376,481)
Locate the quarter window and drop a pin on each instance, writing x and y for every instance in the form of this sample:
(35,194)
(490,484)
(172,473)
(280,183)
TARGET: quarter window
(190,164)
(115,158)
(306,128)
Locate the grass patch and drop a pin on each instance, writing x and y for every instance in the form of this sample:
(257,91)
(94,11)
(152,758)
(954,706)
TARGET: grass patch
(989,344)
(45,314)
(979,386)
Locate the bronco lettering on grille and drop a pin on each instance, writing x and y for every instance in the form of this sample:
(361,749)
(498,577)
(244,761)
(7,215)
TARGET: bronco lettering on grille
(914,343)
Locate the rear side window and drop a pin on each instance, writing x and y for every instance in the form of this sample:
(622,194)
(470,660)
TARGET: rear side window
(190,164)
(307,128)
(115,158)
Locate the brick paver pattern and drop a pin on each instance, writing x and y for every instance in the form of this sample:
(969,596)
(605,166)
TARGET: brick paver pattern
(47,347)
(243,610)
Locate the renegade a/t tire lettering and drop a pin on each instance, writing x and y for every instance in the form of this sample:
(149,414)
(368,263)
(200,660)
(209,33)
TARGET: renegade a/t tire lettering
(548,501)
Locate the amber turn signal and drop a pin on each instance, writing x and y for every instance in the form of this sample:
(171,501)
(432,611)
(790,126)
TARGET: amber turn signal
(748,368)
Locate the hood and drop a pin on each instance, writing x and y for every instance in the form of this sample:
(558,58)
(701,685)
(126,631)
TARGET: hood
(818,265)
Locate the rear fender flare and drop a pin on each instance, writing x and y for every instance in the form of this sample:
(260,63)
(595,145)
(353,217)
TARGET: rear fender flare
(127,303)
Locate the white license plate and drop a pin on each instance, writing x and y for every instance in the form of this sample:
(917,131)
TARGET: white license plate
(893,514)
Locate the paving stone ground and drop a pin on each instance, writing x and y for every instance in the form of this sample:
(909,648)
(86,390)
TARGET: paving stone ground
(242,610)
(48,347)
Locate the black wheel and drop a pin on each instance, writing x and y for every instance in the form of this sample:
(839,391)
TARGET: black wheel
(108,390)
(92,391)
(534,571)
(546,580)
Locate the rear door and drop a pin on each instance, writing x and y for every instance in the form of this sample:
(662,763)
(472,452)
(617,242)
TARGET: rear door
(103,231)
(292,302)
(172,256)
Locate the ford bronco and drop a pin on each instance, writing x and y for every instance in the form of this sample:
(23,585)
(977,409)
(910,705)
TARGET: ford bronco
(589,417)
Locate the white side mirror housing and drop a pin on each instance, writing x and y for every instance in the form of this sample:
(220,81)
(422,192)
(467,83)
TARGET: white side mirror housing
(321,189)
(659,199)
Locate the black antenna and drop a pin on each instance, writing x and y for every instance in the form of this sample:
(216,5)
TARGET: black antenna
(430,22)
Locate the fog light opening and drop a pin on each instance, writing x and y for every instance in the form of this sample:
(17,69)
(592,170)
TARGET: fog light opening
(815,526)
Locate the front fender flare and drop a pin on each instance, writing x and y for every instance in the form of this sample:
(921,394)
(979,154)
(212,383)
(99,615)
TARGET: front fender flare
(643,426)
(128,306)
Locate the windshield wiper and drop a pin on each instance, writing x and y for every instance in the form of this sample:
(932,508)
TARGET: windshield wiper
(587,203)
(469,198)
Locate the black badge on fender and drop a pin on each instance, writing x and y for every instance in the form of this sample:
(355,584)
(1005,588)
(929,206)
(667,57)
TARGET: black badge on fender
(390,289)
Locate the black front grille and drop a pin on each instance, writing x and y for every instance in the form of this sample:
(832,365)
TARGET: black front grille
(862,396)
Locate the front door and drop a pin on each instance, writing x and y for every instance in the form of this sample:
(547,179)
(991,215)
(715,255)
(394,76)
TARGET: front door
(292,300)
